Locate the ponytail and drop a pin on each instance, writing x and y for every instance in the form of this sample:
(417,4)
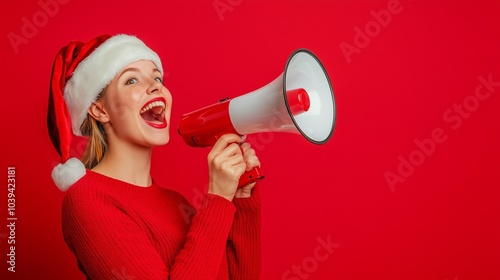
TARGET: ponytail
(98,143)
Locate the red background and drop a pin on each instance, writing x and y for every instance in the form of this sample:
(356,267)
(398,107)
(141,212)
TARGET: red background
(440,222)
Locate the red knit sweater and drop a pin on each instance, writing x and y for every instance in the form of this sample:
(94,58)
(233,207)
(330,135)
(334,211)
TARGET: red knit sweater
(118,230)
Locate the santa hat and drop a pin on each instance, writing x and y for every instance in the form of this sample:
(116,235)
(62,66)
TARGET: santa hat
(80,73)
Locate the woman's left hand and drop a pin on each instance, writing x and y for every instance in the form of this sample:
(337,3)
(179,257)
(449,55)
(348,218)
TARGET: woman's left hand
(251,161)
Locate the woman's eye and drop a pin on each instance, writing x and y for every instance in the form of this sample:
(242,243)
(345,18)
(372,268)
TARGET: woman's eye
(131,81)
(158,79)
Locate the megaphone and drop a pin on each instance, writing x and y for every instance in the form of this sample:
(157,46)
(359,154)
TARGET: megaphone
(299,101)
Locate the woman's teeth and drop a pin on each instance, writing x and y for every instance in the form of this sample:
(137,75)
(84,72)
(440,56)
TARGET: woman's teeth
(156,106)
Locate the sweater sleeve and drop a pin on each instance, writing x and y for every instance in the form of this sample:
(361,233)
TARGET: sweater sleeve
(110,245)
(244,244)
(203,251)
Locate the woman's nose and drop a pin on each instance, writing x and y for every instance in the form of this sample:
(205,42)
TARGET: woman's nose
(154,87)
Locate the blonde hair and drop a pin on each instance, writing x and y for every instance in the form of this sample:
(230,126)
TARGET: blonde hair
(97,144)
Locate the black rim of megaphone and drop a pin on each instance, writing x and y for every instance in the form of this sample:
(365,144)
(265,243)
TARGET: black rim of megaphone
(331,90)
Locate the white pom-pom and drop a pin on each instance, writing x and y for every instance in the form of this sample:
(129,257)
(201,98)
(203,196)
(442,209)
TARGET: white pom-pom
(66,174)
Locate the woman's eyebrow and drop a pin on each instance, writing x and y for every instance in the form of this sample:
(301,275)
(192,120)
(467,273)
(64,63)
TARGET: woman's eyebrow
(131,69)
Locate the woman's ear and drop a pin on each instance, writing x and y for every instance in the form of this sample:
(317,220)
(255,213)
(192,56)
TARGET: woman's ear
(98,112)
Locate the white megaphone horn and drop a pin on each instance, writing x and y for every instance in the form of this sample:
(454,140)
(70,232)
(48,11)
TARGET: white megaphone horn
(299,101)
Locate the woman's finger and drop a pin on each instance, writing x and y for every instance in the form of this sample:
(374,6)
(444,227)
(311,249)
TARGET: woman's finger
(224,141)
(252,162)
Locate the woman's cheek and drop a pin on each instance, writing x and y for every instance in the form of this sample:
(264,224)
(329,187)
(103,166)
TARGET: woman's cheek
(121,111)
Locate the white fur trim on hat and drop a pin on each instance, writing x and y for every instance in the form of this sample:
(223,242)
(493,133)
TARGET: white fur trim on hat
(66,174)
(97,70)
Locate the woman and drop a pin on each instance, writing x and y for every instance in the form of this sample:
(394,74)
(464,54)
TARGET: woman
(116,220)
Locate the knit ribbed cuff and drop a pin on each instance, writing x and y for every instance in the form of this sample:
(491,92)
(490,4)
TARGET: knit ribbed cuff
(249,204)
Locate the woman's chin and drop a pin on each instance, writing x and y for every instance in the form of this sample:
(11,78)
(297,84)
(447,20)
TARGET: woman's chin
(155,135)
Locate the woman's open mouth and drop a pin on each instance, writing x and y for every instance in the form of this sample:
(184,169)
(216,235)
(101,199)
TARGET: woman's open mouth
(153,113)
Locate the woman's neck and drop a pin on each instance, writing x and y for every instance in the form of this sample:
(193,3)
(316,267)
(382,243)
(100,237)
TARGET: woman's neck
(127,162)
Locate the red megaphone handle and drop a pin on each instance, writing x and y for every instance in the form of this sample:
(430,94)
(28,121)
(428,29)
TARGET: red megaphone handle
(249,177)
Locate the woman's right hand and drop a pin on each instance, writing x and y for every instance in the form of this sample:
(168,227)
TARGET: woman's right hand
(226,165)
